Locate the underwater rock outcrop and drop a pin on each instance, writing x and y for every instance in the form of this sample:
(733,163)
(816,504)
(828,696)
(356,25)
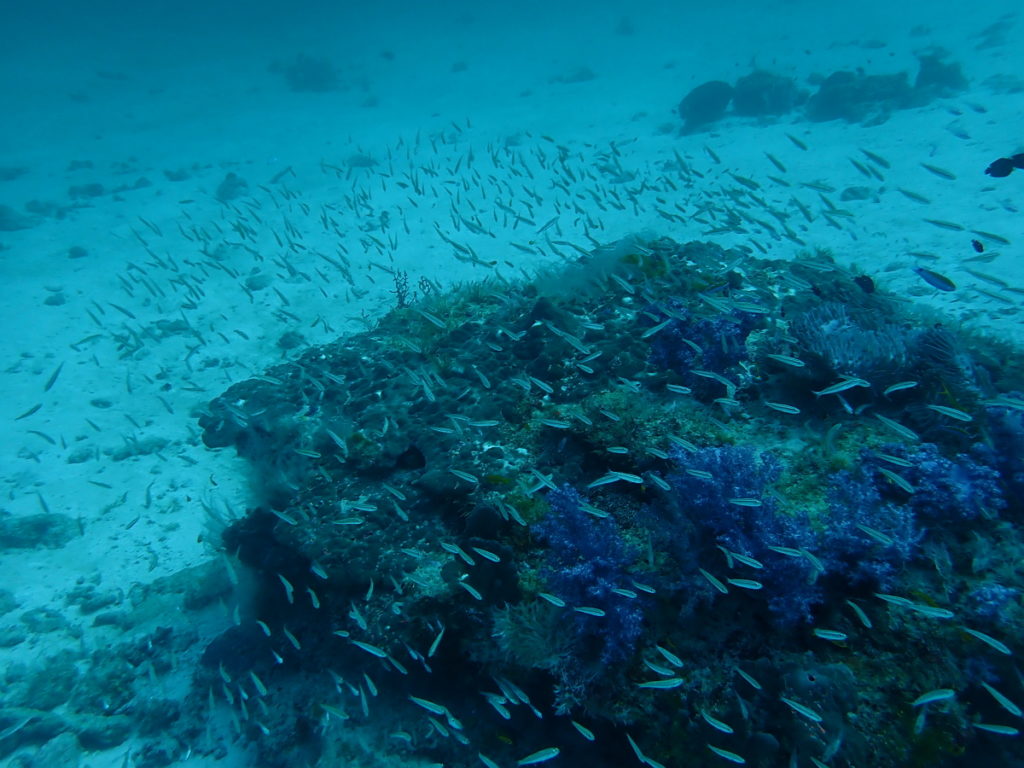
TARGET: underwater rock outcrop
(705,104)
(765,94)
(856,97)
(640,506)
(851,95)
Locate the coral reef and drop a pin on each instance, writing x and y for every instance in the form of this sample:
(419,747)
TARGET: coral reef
(661,493)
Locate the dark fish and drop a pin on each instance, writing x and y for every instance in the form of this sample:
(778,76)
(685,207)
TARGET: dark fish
(1004,166)
(866,283)
(978,246)
(935,280)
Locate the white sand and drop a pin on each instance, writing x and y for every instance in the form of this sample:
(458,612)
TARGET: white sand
(196,94)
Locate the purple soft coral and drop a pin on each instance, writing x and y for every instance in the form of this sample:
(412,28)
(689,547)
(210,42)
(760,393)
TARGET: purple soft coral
(586,559)
(706,497)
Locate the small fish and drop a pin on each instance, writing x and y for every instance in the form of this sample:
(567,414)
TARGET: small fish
(725,754)
(877,535)
(815,562)
(432,319)
(658,669)
(1002,730)
(553,599)
(541,756)
(747,561)
(289,590)
(952,226)
(830,634)
(464,476)
(746,583)
(435,644)
(897,460)
(898,428)
(841,386)
(605,479)
(942,173)
(935,280)
(473,591)
(715,723)
(260,687)
(876,159)
(1004,702)
(750,680)
(786,359)
(714,582)
(898,480)
(989,641)
(745,502)
(787,551)
(774,161)
(670,657)
(336,711)
(953,413)
(999,239)
(939,694)
(430,706)
(654,329)
(895,600)
(585,732)
(668,683)
(802,709)
(373,650)
(898,387)
(487,554)
(29,412)
(863,617)
(53,378)
(911,195)
(291,638)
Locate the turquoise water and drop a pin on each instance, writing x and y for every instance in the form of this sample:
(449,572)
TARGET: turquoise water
(463,384)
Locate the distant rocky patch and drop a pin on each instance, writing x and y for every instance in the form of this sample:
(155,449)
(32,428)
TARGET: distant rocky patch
(11,220)
(850,95)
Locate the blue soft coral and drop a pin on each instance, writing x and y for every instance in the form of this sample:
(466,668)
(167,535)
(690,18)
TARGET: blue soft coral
(739,472)
(586,559)
(721,342)
(1006,431)
(946,489)
(856,508)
